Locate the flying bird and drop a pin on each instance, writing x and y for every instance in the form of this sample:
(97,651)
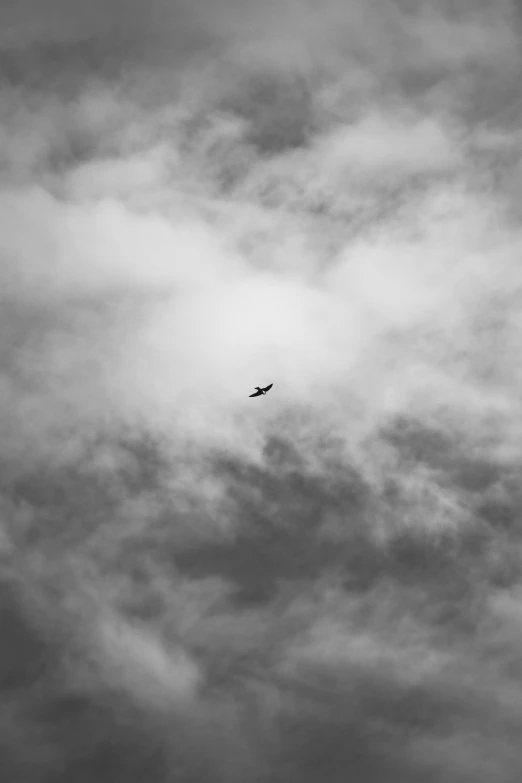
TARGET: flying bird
(261,391)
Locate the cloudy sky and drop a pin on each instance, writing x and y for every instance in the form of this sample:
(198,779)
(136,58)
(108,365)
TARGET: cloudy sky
(198,197)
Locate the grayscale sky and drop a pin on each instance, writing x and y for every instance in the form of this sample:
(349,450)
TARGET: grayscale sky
(323,584)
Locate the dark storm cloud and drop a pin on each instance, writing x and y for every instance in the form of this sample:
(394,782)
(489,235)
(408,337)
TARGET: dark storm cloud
(349,676)
(122,25)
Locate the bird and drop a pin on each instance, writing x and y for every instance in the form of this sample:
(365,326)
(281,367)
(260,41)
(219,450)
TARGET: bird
(261,391)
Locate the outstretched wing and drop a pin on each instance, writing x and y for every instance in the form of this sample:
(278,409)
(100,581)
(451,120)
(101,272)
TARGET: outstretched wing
(267,388)
(256,394)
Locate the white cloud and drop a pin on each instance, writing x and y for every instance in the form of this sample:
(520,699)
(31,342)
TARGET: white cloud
(381,143)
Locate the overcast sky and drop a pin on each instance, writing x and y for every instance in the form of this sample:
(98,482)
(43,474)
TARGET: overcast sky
(323,584)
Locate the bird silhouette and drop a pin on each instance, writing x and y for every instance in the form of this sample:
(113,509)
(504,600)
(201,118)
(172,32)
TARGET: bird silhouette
(261,391)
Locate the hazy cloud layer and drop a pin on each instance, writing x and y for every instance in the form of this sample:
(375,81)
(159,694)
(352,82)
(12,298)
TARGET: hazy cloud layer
(197,198)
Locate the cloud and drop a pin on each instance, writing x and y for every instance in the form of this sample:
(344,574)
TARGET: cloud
(196,199)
